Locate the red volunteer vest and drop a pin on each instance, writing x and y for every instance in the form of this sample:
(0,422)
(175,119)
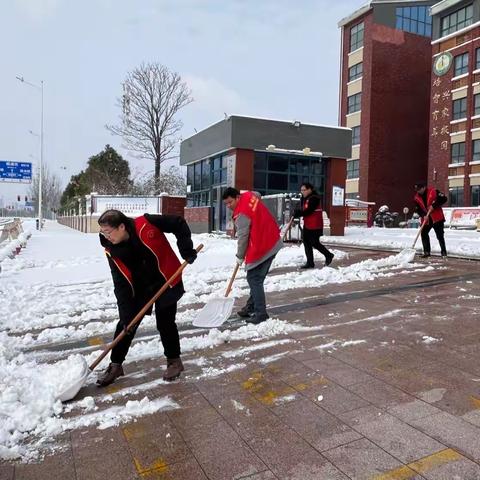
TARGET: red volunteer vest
(313,221)
(437,213)
(264,231)
(157,243)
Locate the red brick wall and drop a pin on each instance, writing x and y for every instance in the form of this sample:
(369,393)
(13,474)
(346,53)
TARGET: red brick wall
(395,112)
(172,205)
(198,219)
(336,174)
(244,169)
(439,158)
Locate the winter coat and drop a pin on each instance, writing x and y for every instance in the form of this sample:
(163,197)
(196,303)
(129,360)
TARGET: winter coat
(257,231)
(431,198)
(311,211)
(141,265)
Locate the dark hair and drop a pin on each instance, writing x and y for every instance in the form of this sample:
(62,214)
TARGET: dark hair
(307,185)
(230,192)
(113,218)
(420,185)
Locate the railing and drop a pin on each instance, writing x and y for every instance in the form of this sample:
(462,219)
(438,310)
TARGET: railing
(12,238)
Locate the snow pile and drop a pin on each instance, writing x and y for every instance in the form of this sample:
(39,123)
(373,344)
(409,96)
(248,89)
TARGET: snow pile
(8,250)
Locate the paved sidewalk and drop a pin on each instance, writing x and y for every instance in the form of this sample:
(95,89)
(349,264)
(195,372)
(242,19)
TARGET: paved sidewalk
(387,388)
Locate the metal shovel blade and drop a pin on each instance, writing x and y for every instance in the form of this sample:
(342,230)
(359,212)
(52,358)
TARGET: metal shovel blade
(74,387)
(214,313)
(407,255)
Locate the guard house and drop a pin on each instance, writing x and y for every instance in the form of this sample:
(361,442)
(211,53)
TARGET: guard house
(268,156)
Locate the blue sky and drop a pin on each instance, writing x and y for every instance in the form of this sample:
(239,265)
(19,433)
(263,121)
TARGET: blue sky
(269,58)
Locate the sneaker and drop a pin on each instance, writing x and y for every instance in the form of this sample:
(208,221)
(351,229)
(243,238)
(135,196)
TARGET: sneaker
(173,370)
(113,371)
(256,319)
(306,266)
(245,312)
(328,260)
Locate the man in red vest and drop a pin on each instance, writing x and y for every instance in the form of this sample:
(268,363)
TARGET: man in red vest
(429,203)
(312,214)
(141,261)
(258,243)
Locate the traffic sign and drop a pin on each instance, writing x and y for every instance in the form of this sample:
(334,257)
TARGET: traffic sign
(15,172)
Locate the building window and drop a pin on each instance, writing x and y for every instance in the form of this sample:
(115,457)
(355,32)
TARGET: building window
(414,20)
(283,173)
(219,170)
(477,59)
(475,191)
(476,104)
(356,135)
(355,72)
(461,64)
(476,151)
(458,152)
(456,196)
(459,109)
(457,20)
(353,168)
(190,171)
(356,36)
(354,103)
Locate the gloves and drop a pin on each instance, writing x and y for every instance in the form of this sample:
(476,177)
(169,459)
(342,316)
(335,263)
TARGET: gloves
(239,261)
(191,256)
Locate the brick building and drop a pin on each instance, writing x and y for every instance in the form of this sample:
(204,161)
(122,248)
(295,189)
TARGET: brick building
(268,156)
(384,98)
(454,153)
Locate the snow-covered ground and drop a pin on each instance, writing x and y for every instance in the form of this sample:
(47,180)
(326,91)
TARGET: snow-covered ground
(59,289)
(464,243)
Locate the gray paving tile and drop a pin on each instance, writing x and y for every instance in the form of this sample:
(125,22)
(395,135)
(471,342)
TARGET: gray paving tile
(412,410)
(6,472)
(319,428)
(261,476)
(188,470)
(380,393)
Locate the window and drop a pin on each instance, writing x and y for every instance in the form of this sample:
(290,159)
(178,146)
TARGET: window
(354,103)
(356,135)
(457,20)
(475,191)
(356,36)
(461,64)
(414,20)
(353,168)
(205,174)
(477,59)
(456,196)
(355,72)
(275,173)
(476,104)
(458,152)
(459,108)
(190,172)
(219,170)
(476,151)
(197,183)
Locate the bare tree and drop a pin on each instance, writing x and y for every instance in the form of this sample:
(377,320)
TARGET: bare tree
(171,181)
(152,96)
(51,191)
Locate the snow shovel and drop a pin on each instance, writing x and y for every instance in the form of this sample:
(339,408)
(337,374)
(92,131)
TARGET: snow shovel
(217,310)
(71,391)
(408,254)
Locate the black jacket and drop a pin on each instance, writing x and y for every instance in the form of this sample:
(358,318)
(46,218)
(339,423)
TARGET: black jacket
(146,277)
(313,204)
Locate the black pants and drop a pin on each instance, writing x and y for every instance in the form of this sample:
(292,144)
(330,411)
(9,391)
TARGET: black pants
(311,240)
(438,228)
(167,327)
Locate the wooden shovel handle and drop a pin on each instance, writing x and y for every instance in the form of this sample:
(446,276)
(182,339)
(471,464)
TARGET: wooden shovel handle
(420,230)
(232,278)
(141,313)
(289,226)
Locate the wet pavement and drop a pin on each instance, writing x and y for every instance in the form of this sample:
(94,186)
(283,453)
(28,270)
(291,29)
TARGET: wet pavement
(385,385)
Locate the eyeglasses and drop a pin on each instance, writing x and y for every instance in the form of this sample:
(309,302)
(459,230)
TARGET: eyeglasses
(107,234)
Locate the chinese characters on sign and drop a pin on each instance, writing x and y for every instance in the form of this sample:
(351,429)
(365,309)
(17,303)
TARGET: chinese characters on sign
(15,172)
(440,114)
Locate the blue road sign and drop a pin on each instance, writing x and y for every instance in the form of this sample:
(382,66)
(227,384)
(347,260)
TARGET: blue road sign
(15,172)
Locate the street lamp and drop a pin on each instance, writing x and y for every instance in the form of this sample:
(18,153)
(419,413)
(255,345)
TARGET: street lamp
(40,177)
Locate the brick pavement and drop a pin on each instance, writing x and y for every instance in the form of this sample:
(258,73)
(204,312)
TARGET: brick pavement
(389,406)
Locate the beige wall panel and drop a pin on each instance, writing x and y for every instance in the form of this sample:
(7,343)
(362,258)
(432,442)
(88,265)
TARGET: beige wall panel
(355,57)
(458,138)
(354,87)
(455,182)
(353,120)
(351,186)
(460,93)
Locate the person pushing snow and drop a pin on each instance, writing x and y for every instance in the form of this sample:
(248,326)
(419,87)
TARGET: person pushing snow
(141,261)
(258,243)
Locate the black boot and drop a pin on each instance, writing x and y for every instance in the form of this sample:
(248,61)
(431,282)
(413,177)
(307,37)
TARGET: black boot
(245,312)
(306,266)
(328,259)
(173,370)
(256,319)
(425,255)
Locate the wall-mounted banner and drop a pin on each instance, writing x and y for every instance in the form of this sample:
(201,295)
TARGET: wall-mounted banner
(338,196)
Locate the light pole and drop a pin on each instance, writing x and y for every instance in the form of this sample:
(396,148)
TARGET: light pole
(40,177)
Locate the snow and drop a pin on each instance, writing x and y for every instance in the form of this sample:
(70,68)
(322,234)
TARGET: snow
(59,289)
